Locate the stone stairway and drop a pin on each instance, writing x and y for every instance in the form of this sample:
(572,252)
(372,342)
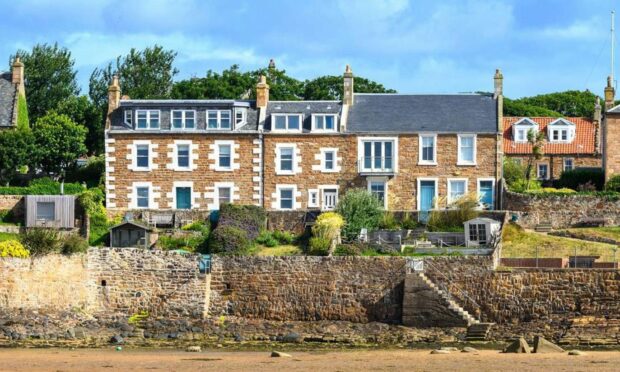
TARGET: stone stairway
(452,305)
(478,332)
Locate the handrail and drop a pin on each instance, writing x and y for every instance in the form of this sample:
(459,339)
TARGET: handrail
(459,290)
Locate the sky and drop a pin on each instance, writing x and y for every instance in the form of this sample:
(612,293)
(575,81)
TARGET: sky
(413,46)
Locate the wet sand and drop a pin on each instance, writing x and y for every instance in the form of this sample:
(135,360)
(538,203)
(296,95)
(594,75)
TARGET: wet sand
(355,360)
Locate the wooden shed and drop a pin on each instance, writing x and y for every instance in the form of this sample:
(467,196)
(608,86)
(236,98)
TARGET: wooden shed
(130,234)
(56,211)
(479,231)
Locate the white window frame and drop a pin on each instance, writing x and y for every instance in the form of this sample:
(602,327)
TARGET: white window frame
(177,166)
(449,188)
(216,192)
(296,159)
(279,188)
(460,161)
(317,202)
(135,166)
(420,140)
(418,194)
(128,117)
(324,130)
(287,130)
(558,126)
(483,179)
(384,181)
(336,167)
(183,119)
(219,120)
(572,161)
(244,116)
(218,146)
(134,199)
(322,188)
(360,153)
(538,170)
(148,119)
(525,124)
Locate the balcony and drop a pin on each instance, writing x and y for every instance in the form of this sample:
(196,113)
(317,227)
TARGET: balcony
(376,165)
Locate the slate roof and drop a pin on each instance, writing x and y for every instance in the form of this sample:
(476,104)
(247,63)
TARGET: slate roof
(414,113)
(584,142)
(307,108)
(201,106)
(7,99)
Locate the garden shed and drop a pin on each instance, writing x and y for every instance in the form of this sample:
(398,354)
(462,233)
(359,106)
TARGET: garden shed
(56,211)
(130,234)
(480,231)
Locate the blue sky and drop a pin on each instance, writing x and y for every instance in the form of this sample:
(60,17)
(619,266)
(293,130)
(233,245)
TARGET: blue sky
(414,46)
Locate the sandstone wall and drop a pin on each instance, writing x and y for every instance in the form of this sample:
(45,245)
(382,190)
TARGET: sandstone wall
(357,289)
(561,211)
(13,203)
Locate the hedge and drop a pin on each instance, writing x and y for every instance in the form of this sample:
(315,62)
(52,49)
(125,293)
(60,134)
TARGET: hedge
(229,240)
(579,179)
(250,218)
(42,186)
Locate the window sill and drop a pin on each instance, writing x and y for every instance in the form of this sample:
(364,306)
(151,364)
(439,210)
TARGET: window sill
(285,173)
(461,164)
(427,163)
(218,169)
(141,169)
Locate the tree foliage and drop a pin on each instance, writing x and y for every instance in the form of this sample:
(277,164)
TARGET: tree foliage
(331,87)
(360,209)
(536,139)
(84,112)
(231,83)
(16,153)
(50,77)
(568,103)
(59,142)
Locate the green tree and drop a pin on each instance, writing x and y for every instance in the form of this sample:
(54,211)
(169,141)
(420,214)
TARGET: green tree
(59,142)
(360,209)
(518,108)
(536,139)
(331,87)
(230,84)
(568,103)
(50,77)
(16,153)
(143,74)
(84,112)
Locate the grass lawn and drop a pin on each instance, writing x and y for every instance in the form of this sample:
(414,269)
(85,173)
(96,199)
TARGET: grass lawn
(8,236)
(281,250)
(517,242)
(588,233)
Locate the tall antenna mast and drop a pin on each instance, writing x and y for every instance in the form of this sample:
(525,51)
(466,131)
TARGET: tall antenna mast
(613,41)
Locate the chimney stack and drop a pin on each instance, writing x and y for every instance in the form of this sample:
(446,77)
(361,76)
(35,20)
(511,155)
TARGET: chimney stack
(18,75)
(498,80)
(348,98)
(114,94)
(262,92)
(610,94)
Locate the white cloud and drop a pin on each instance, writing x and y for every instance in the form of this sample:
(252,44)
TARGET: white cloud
(590,29)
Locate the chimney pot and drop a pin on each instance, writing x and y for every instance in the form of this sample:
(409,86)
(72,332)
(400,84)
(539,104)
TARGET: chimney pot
(498,81)
(272,63)
(262,92)
(348,97)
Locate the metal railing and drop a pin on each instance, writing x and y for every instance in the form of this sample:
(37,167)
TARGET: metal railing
(376,164)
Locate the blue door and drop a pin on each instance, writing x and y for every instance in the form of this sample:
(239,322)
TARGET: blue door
(184,197)
(485,190)
(427,196)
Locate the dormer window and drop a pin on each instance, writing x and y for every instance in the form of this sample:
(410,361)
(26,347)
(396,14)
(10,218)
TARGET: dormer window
(323,123)
(128,117)
(521,128)
(218,119)
(561,130)
(286,122)
(183,119)
(147,119)
(240,117)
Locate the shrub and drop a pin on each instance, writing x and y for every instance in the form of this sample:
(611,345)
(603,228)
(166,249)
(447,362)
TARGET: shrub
(267,239)
(523,186)
(360,209)
(348,250)
(195,242)
(230,240)
(552,190)
(41,241)
(328,225)
(319,246)
(461,210)
(576,178)
(13,248)
(42,186)
(514,173)
(284,237)
(389,222)
(91,174)
(73,244)
(91,201)
(203,227)
(7,215)
(249,218)
(613,184)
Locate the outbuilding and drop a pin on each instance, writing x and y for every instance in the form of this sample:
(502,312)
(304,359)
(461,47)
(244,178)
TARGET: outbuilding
(130,234)
(52,211)
(480,231)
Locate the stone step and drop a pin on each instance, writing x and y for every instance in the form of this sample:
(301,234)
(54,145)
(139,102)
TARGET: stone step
(543,227)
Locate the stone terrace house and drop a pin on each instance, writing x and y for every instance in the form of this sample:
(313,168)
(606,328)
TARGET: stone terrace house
(570,143)
(11,88)
(408,150)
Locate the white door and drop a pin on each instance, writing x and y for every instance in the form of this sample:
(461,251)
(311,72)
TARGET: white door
(330,199)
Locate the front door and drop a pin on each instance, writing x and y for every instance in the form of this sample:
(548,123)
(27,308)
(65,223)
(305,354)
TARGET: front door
(184,197)
(330,199)
(486,194)
(427,198)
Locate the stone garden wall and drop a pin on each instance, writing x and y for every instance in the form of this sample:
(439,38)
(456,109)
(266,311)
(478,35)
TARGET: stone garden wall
(561,211)
(356,289)
(14,203)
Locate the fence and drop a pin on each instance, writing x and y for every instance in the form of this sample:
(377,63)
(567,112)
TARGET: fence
(586,255)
